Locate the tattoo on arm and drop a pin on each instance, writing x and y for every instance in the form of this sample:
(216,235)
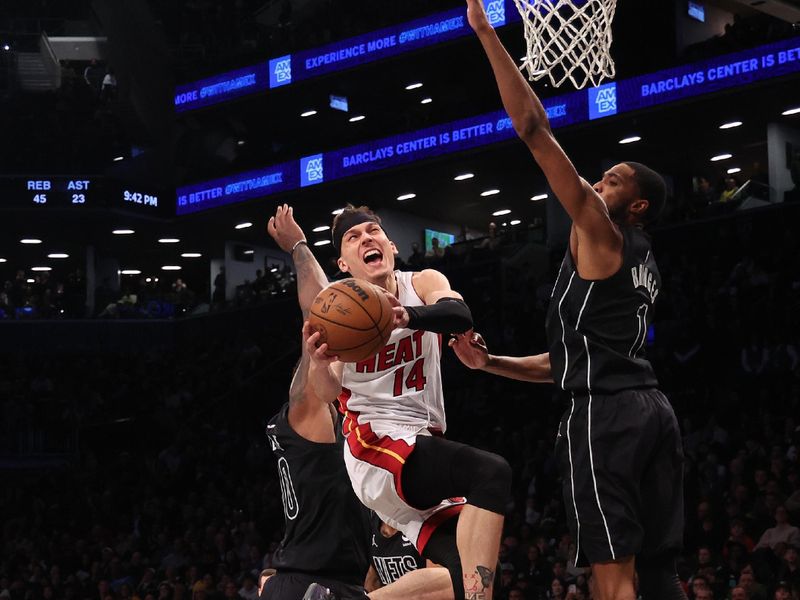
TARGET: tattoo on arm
(310,277)
(478,585)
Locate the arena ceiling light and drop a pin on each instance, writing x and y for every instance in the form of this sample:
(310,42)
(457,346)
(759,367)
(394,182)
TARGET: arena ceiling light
(720,157)
(2,260)
(191,255)
(357,118)
(493,192)
(516,222)
(241,143)
(538,197)
(244,225)
(406,197)
(500,213)
(131,272)
(308,113)
(322,243)
(464,176)
(426,101)
(41,269)
(58,255)
(734,170)
(791,111)
(30,241)
(171,268)
(168,240)
(338,211)
(123,232)
(249,252)
(321,228)
(30,280)
(414,86)
(630,140)
(731,125)
(118,158)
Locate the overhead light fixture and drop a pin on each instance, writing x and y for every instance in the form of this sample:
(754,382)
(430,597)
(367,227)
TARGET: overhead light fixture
(720,157)
(734,170)
(30,281)
(490,193)
(123,232)
(273,270)
(132,272)
(322,243)
(2,260)
(516,222)
(244,225)
(321,228)
(58,255)
(630,140)
(241,143)
(41,269)
(249,252)
(308,113)
(406,197)
(6,47)
(168,240)
(191,255)
(414,86)
(338,211)
(118,158)
(357,118)
(731,125)
(538,197)
(170,268)
(791,111)
(500,213)
(426,101)
(30,241)
(464,176)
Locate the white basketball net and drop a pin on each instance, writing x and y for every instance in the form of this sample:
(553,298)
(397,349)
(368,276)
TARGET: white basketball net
(568,40)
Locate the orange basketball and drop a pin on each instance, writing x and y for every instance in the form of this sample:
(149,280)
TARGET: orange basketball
(353,317)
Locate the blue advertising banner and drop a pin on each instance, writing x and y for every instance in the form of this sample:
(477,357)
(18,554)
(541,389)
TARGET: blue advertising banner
(338,56)
(670,85)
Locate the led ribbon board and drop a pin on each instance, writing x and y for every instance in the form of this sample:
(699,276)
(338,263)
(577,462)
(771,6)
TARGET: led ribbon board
(662,87)
(338,56)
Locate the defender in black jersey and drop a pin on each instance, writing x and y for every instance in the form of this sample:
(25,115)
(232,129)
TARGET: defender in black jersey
(619,444)
(392,555)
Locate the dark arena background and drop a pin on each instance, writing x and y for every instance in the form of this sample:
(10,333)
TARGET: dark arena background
(149,325)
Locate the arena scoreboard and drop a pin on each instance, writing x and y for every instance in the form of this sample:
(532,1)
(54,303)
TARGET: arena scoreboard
(76,193)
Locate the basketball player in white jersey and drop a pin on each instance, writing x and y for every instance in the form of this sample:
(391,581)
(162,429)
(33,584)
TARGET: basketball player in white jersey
(398,463)
(308,433)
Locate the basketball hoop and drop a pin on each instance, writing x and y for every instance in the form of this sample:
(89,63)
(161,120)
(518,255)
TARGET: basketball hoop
(568,39)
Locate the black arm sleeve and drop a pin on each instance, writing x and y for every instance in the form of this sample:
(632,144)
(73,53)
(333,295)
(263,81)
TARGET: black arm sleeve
(448,315)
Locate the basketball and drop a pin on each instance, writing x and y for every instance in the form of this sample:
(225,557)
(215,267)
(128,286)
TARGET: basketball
(353,317)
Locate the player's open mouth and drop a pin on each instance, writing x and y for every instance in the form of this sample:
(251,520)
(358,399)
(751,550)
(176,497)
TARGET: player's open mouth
(372,257)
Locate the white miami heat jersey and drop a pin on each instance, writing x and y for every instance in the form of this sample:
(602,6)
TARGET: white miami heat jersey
(401,384)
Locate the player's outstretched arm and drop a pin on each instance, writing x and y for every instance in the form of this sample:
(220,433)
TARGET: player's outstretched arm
(290,237)
(444,311)
(471,349)
(584,206)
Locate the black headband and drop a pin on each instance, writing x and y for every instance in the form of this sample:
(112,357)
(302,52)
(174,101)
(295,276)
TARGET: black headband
(348,221)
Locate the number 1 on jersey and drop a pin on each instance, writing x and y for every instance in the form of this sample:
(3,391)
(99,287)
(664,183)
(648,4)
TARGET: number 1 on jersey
(415,380)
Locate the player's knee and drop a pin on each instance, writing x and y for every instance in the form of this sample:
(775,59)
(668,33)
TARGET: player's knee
(492,476)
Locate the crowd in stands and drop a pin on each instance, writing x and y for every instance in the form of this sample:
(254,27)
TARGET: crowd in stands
(172,492)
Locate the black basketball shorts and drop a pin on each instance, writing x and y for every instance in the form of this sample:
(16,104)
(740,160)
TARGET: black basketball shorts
(620,458)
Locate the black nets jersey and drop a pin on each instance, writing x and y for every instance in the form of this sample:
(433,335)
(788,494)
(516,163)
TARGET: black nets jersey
(596,330)
(392,557)
(327,527)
